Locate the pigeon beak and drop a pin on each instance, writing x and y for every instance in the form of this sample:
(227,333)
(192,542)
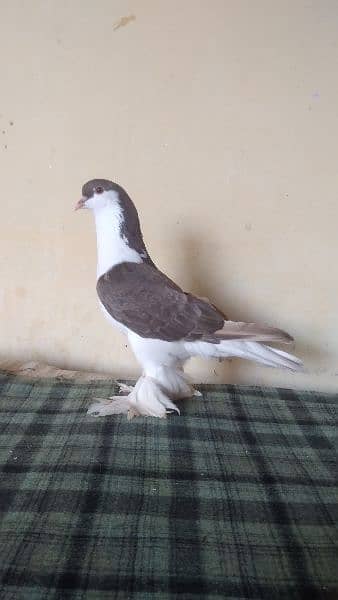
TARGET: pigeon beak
(81,203)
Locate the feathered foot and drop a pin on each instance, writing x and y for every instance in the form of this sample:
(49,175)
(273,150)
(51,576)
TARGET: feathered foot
(114,405)
(124,388)
(146,398)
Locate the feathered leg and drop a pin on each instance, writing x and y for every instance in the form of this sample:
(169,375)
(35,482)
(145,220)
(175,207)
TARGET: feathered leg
(172,380)
(147,398)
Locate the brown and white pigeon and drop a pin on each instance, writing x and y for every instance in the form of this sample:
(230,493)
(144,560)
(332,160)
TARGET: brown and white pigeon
(165,326)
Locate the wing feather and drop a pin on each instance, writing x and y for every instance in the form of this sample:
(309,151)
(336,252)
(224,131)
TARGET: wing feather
(147,302)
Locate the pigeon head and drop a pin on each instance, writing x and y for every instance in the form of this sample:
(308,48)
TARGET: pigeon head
(98,193)
(111,205)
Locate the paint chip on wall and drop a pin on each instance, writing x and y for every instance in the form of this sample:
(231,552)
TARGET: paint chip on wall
(123,21)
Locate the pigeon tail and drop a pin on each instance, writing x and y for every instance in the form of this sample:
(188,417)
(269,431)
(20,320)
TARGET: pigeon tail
(236,330)
(268,356)
(256,351)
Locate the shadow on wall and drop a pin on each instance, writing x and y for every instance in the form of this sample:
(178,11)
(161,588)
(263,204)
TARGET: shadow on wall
(205,283)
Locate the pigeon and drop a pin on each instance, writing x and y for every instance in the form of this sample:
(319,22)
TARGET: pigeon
(165,325)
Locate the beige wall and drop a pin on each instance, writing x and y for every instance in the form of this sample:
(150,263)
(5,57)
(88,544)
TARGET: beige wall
(221,120)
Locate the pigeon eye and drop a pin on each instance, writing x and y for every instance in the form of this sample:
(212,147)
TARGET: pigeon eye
(99,190)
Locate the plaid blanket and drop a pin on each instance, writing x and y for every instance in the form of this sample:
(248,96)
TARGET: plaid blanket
(236,498)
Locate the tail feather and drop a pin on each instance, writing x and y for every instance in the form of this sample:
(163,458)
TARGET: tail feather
(291,357)
(256,351)
(236,330)
(268,356)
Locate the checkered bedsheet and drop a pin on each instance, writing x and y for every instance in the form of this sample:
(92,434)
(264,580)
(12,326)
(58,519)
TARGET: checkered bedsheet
(236,498)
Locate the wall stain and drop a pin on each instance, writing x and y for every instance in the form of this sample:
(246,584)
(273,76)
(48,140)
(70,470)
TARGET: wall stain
(123,21)
(21,292)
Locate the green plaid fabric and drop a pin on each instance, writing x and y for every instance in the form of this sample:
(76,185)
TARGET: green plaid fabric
(236,498)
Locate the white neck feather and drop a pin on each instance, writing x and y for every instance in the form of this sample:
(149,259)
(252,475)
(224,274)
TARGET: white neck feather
(112,248)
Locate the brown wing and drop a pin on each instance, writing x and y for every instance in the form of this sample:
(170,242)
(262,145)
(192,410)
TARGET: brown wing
(147,302)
